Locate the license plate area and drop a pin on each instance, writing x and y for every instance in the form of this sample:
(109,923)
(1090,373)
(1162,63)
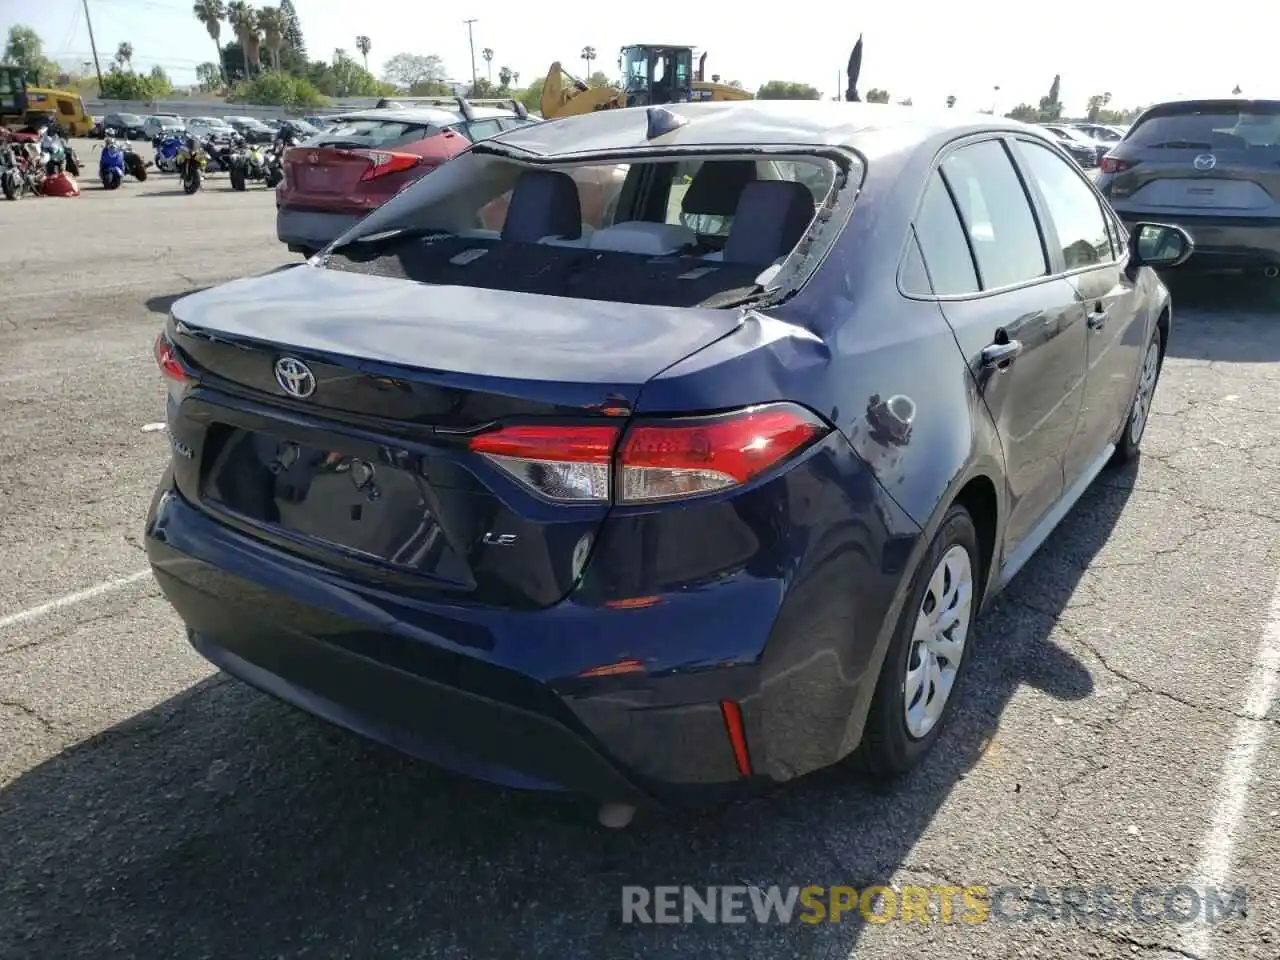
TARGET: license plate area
(365,506)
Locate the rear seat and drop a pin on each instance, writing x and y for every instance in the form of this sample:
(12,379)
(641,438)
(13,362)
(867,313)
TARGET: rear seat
(770,219)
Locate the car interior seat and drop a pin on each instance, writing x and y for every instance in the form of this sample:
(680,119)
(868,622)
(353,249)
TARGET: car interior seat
(770,218)
(544,206)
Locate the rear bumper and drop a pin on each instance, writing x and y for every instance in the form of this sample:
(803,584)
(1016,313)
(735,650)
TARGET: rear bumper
(310,229)
(1222,243)
(495,695)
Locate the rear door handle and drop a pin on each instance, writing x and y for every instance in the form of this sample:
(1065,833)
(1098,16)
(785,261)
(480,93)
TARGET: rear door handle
(1000,354)
(1098,319)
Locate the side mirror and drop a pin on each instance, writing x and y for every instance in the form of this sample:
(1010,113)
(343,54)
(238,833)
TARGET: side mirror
(1160,245)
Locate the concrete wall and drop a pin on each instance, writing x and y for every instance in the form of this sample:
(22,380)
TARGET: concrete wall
(184,107)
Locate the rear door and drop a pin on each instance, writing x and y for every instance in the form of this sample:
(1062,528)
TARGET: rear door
(1020,328)
(1201,159)
(1080,244)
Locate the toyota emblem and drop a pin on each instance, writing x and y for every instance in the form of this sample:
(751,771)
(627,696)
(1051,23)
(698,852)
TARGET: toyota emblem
(295,377)
(1206,161)
(313,157)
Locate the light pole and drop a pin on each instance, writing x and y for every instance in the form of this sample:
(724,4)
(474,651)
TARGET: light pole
(471,40)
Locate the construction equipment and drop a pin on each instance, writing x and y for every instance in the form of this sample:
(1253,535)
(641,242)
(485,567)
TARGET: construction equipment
(13,94)
(652,73)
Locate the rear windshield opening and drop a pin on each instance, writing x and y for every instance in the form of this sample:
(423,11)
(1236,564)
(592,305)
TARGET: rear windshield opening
(705,231)
(373,133)
(1211,127)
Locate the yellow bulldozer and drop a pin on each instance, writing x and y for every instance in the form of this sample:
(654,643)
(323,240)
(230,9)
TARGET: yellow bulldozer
(651,73)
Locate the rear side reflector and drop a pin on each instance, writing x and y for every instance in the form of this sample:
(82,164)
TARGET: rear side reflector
(737,733)
(168,362)
(1112,165)
(658,459)
(382,162)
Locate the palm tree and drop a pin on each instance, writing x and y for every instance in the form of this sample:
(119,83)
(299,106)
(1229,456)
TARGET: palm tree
(588,54)
(487,53)
(124,55)
(505,76)
(364,45)
(244,22)
(273,22)
(210,13)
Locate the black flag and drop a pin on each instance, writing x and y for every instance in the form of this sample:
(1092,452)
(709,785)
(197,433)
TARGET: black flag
(855,67)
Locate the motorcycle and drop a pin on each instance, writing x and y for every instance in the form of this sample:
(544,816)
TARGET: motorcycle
(117,160)
(56,155)
(17,170)
(192,160)
(275,166)
(167,150)
(248,162)
(221,153)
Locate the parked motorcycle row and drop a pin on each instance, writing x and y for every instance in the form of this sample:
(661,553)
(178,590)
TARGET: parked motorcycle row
(193,159)
(40,162)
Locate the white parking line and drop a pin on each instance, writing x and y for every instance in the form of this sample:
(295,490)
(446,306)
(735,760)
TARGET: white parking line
(1237,774)
(70,599)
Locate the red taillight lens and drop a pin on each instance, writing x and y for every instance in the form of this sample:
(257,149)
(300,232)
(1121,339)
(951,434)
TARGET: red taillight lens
(1111,164)
(381,163)
(168,362)
(569,464)
(681,458)
(659,459)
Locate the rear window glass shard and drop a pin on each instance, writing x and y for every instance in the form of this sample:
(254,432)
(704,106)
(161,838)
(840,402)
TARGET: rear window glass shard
(711,233)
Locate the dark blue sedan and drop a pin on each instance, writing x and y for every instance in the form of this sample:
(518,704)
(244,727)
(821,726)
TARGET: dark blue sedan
(700,496)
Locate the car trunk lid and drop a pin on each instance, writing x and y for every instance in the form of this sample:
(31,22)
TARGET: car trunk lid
(372,470)
(325,172)
(1236,182)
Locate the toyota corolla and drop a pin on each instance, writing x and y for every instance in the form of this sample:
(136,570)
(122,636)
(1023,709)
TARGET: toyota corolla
(705,498)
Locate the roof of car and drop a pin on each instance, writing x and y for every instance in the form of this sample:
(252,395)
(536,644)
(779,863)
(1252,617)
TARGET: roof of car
(811,123)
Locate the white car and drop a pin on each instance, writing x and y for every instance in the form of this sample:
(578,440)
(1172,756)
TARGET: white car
(209,127)
(162,124)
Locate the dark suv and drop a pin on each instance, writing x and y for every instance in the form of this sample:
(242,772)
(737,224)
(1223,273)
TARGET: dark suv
(1211,166)
(368,156)
(127,126)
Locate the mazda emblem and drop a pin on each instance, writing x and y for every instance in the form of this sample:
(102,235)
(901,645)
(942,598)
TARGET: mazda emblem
(295,377)
(1206,161)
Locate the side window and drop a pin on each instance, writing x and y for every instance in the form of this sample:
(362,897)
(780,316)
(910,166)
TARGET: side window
(482,129)
(914,277)
(996,214)
(943,244)
(66,107)
(1076,214)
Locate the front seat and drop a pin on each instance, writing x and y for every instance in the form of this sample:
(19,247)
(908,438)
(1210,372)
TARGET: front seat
(713,195)
(543,204)
(770,219)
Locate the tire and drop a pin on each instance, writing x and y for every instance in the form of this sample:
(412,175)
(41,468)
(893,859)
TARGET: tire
(1139,415)
(73,166)
(140,171)
(110,181)
(238,180)
(892,742)
(9,183)
(191,181)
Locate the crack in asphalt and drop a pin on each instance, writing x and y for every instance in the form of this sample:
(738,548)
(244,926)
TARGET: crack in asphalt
(31,712)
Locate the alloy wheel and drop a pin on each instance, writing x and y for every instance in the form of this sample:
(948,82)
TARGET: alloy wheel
(1146,392)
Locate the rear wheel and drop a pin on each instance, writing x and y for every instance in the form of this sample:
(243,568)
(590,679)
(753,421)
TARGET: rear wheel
(1135,424)
(928,654)
(238,179)
(9,183)
(110,180)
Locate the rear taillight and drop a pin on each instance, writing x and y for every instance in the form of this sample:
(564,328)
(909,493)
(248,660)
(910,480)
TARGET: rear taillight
(1111,164)
(381,163)
(168,362)
(657,460)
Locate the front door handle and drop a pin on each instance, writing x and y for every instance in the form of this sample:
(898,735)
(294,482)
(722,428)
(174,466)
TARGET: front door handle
(1098,319)
(1000,354)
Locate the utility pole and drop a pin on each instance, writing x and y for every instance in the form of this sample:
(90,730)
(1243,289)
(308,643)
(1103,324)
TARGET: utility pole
(472,41)
(93,46)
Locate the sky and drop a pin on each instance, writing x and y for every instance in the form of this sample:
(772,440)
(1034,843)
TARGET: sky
(924,49)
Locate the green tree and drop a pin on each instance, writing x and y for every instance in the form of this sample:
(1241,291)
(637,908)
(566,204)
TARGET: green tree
(25,49)
(364,45)
(244,21)
(209,76)
(531,96)
(1051,106)
(876,95)
(210,13)
(505,77)
(431,88)
(120,84)
(271,88)
(487,53)
(1097,103)
(272,23)
(600,79)
(1024,112)
(410,69)
(787,90)
(736,83)
(161,85)
(293,34)
(588,54)
(124,55)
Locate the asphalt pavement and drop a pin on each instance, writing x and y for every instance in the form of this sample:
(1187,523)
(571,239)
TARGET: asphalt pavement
(1116,730)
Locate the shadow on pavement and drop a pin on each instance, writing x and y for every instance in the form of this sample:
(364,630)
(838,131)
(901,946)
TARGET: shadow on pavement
(223,824)
(1231,318)
(163,303)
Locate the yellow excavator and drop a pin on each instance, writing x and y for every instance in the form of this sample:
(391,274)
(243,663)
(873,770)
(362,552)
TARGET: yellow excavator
(651,73)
